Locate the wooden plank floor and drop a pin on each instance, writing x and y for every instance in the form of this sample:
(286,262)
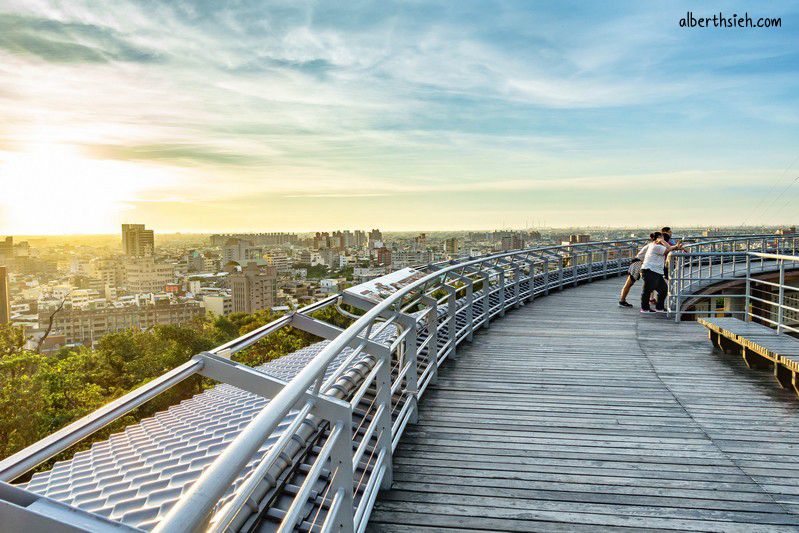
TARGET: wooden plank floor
(573,414)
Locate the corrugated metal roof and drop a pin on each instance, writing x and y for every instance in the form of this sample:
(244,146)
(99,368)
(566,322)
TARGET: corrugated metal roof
(137,475)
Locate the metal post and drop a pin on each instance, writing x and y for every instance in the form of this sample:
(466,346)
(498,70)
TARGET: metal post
(573,257)
(501,273)
(517,287)
(383,382)
(343,478)
(452,326)
(470,308)
(747,300)
(411,356)
(486,299)
(781,298)
(530,279)
(545,278)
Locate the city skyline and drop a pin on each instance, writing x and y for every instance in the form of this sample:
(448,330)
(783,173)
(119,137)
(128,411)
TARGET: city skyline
(197,118)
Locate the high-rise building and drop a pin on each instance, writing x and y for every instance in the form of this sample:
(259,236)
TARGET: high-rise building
(347,239)
(144,275)
(322,240)
(452,247)
(5,297)
(280,260)
(579,238)
(241,251)
(253,288)
(383,256)
(137,241)
(375,238)
(512,241)
(360,238)
(7,247)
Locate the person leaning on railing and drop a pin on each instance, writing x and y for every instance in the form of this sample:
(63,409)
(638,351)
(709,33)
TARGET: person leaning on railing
(634,272)
(653,269)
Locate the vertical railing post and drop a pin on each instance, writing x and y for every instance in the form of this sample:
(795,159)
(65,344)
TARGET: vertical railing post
(343,481)
(781,298)
(605,263)
(545,276)
(573,259)
(452,325)
(410,355)
(560,271)
(431,319)
(501,273)
(675,280)
(469,307)
(748,297)
(486,298)
(517,284)
(530,279)
(383,397)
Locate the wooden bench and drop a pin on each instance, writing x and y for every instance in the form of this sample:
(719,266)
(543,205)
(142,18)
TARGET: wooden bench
(759,345)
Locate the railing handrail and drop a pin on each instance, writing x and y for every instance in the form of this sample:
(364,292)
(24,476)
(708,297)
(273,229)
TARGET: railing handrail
(730,238)
(699,268)
(193,507)
(776,257)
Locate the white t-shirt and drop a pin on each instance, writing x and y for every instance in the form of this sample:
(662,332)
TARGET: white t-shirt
(640,255)
(655,258)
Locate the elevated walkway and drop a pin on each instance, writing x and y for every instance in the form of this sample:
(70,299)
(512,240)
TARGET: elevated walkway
(566,412)
(574,414)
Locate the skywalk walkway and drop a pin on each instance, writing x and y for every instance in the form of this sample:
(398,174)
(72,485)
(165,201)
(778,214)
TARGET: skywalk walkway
(565,412)
(573,414)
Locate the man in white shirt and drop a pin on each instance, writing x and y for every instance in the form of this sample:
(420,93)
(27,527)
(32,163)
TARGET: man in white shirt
(652,269)
(634,273)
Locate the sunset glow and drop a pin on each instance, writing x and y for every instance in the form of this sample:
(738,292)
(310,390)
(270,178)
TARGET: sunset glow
(257,116)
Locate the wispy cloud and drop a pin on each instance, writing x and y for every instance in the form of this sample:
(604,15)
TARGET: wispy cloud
(371,101)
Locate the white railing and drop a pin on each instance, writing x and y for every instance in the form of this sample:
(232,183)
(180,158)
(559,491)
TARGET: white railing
(430,317)
(353,400)
(735,271)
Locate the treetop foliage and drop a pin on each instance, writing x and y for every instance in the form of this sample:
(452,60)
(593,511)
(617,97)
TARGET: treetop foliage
(40,393)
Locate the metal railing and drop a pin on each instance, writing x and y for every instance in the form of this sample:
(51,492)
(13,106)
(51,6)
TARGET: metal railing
(356,427)
(353,400)
(429,318)
(731,270)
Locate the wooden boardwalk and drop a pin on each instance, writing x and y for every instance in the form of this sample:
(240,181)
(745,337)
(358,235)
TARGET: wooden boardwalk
(574,414)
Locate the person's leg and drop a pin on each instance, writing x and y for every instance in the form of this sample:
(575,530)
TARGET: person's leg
(626,289)
(662,289)
(648,277)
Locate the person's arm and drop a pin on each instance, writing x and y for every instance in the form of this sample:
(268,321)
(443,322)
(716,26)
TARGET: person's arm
(670,247)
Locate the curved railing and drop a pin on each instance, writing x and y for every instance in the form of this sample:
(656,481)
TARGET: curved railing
(431,316)
(353,400)
(696,273)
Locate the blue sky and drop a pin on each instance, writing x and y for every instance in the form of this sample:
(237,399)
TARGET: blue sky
(196,116)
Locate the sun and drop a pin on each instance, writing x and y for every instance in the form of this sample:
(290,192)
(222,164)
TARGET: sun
(51,188)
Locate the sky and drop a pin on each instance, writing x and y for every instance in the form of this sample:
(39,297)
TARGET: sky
(258,115)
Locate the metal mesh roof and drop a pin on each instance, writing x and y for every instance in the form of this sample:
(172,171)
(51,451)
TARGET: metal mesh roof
(135,476)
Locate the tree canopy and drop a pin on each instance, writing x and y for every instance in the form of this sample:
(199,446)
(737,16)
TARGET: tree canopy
(40,393)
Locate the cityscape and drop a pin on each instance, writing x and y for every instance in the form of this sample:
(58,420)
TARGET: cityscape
(391,266)
(69,291)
